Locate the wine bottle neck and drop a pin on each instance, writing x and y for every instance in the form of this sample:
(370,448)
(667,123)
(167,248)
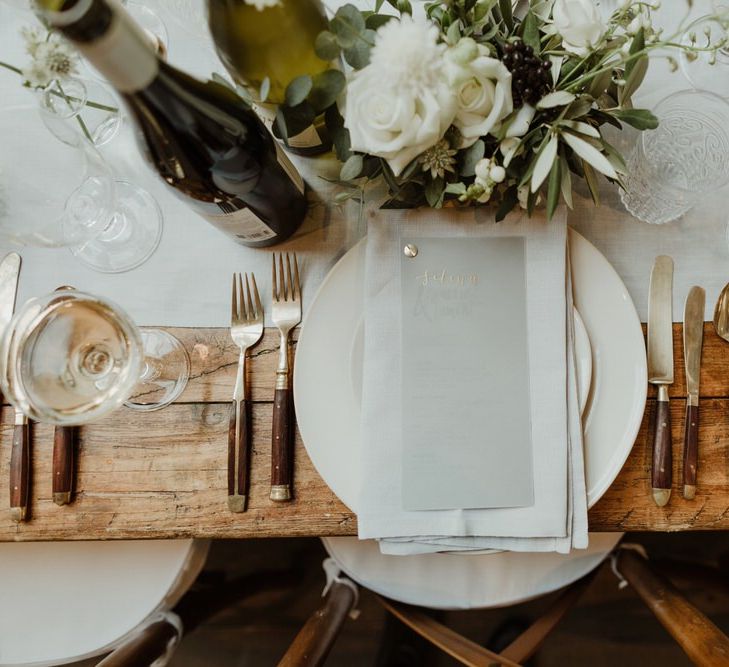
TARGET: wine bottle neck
(106,35)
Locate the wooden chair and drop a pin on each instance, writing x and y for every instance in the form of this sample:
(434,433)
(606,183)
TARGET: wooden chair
(158,639)
(701,640)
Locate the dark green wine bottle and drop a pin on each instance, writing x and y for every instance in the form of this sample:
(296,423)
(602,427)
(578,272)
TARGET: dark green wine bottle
(201,138)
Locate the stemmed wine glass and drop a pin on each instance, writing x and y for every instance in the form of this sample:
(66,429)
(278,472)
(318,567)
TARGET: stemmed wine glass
(63,194)
(69,358)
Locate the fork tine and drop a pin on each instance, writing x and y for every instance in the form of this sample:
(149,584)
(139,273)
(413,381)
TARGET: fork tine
(282,279)
(274,286)
(234,304)
(242,315)
(259,307)
(251,312)
(297,284)
(289,279)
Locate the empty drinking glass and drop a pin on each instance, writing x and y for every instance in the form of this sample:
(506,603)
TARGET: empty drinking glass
(672,166)
(71,358)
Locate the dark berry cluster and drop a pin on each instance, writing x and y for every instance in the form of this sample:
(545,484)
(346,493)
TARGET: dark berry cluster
(530,76)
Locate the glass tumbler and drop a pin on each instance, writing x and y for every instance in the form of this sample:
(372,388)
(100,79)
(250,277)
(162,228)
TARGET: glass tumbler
(686,157)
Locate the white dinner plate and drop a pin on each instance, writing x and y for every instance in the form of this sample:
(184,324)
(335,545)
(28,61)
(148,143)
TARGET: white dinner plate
(454,581)
(328,371)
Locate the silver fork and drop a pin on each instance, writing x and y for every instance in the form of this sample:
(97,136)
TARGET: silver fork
(246,329)
(286,314)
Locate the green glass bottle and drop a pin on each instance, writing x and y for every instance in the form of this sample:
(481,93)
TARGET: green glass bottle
(274,39)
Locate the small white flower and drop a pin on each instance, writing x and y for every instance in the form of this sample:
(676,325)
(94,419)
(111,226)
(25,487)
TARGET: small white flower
(438,159)
(497,174)
(579,23)
(52,58)
(260,5)
(483,168)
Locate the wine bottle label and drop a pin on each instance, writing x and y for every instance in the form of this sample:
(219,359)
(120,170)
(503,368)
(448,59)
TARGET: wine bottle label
(123,54)
(242,223)
(309,138)
(289,168)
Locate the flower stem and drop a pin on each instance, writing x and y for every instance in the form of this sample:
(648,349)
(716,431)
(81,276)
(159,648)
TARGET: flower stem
(11,67)
(80,120)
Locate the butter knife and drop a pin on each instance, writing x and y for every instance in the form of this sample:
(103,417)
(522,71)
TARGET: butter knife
(660,373)
(693,338)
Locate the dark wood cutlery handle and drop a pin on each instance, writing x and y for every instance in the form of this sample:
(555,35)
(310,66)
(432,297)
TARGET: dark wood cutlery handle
(20,471)
(239,434)
(282,446)
(690,450)
(662,454)
(64,456)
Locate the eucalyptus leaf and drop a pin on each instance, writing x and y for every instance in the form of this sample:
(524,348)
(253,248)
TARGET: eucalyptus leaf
(375,21)
(641,119)
(341,142)
(434,191)
(590,154)
(351,168)
(347,24)
(530,32)
(265,89)
(553,189)
(326,45)
(471,156)
(544,163)
(358,56)
(298,90)
(558,98)
(326,88)
(244,94)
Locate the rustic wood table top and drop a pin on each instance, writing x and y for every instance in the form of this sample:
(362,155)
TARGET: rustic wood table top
(163,474)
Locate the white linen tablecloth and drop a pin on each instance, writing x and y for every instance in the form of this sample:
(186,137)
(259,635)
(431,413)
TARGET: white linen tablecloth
(186,282)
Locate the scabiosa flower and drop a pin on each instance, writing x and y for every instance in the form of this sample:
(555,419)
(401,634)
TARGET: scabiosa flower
(439,159)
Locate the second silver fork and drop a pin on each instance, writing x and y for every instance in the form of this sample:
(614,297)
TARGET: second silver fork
(246,329)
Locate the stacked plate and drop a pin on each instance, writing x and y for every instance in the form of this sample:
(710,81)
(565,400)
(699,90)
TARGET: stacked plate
(328,373)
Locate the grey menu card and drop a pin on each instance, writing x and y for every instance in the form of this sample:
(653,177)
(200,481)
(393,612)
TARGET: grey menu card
(466,418)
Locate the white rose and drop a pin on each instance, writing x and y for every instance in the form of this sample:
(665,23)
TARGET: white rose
(482,88)
(579,23)
(401,104)
(394,123)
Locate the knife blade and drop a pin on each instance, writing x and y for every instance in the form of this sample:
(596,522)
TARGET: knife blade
(20,452)
(693,339)
(660,373)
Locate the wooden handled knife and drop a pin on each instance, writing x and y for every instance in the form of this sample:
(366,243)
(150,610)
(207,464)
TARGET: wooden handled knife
(693,338)
(660,373)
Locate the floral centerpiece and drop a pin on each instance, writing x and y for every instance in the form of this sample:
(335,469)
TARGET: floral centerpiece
(471,104)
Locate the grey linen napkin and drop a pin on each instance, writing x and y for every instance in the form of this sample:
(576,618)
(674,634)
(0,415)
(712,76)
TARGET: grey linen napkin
(557,521)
